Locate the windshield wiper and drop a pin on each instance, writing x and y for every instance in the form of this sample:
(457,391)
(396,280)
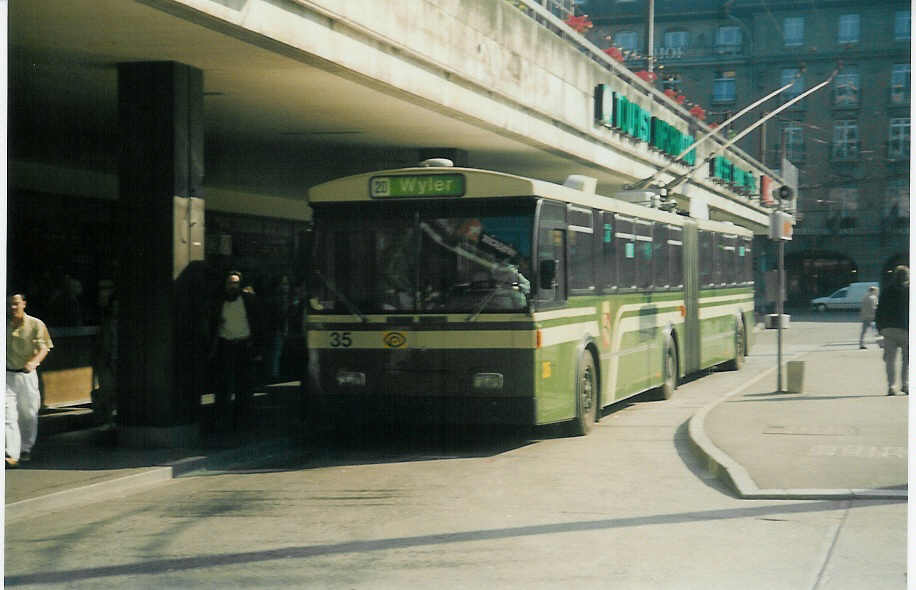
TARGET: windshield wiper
(350,306)
(480,306)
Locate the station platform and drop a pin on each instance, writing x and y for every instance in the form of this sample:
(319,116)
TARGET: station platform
(837,435)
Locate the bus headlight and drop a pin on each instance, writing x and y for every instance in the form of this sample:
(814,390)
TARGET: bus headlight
(488,382)
(351,379)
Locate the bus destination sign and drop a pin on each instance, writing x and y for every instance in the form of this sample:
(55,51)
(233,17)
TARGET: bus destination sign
(417,185)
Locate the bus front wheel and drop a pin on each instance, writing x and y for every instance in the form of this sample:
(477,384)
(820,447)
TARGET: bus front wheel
(586,395)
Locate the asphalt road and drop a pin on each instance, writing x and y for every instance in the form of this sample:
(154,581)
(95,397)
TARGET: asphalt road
(627,507)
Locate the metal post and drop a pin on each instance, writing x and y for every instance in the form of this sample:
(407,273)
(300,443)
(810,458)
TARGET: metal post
(779,289)
(651,41)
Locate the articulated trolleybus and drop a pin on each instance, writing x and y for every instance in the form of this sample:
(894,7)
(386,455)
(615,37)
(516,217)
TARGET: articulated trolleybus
(471,296)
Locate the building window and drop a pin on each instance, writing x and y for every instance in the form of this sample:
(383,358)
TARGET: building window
(625,40)
(846,87)
(897,198)
(676,39)
(793,143)
(900,83)
(845,140)
(848,31)
(898,146)
(728,39)
(844,200)
(788,75)
(723,87)
(793,30)
(902,25)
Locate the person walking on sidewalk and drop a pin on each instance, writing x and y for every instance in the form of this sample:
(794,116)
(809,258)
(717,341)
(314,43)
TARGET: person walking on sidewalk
(893,320)
(27,345)
(237,333)
(867,312)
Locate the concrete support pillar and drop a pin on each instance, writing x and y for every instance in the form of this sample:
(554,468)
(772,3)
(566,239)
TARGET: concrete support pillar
(160,279)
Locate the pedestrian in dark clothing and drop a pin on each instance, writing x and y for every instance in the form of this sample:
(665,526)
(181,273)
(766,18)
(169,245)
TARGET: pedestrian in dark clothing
(278,311)
(237,331)
(893,320)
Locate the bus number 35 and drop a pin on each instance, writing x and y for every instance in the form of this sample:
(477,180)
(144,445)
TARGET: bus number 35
(341,340)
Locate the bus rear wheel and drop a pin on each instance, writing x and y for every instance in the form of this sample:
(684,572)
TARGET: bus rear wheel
(669,368)
(586,395)
(736,363)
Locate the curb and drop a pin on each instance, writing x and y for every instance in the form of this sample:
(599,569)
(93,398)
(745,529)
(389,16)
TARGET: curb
(120,486)
(736,477)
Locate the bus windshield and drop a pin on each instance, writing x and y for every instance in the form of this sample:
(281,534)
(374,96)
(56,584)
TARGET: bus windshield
(460,258)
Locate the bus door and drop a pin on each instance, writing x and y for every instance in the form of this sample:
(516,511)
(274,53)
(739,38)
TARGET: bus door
(691,261)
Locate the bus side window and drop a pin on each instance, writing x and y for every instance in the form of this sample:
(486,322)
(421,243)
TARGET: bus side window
(608,273)
(716,259)
(675,256)
(707,258)
(660,255)
(745,260)
(625,244)
(727,247)
(643,231)
(580,239)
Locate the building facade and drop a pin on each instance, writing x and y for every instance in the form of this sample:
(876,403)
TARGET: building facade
(850,141)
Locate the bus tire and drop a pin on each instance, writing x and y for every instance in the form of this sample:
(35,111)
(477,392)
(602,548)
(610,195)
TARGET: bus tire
(736,363)
(669,371)
(586,395)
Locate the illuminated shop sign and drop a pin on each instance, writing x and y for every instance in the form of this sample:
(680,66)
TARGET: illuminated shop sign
(613,110)
(722,170)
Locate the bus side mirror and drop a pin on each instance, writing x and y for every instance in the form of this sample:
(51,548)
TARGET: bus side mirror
(547,271)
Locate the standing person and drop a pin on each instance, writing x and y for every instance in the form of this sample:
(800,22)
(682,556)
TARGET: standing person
(278,305)
(867,312)
(106,363)
(893,321)
(27,344)
(237,336)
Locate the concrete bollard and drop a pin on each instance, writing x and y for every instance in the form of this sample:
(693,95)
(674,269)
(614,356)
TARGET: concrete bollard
(795,376)
(772,321)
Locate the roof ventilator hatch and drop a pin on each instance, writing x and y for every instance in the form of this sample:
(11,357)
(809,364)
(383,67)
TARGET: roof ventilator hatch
(586,184)
(437,163)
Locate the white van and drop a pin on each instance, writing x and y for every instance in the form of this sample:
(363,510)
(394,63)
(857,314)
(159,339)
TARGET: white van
(848,298)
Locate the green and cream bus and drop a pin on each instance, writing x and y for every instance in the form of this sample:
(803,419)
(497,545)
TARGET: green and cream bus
(460,295)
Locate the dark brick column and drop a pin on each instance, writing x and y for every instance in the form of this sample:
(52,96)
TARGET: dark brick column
(160,239)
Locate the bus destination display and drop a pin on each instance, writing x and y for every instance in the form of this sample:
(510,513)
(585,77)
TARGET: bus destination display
(417,185)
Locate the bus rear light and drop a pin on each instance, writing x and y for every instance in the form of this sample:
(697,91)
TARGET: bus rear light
(488,382)
(351,379)
(539,339)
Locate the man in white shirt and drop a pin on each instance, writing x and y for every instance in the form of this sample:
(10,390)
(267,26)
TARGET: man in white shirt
(238,328)
(27,344)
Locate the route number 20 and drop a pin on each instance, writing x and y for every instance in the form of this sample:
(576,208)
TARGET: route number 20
(341,340)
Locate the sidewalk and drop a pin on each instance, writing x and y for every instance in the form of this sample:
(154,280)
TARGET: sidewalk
(839,437)
(74,462)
